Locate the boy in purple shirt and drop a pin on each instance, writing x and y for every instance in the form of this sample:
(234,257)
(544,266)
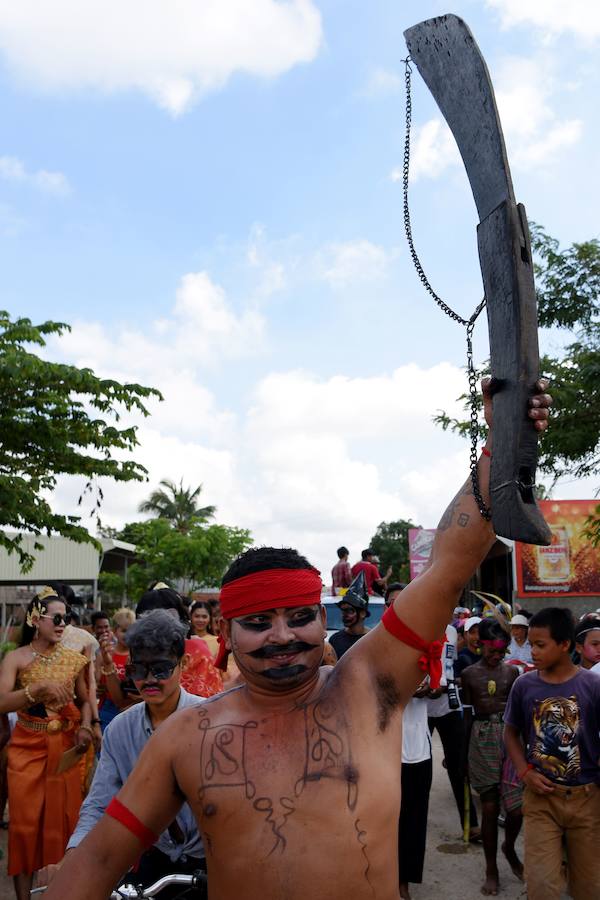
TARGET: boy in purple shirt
(555,713)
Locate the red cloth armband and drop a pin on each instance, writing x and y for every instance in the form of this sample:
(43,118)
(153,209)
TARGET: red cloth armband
(117,810)
(431,659)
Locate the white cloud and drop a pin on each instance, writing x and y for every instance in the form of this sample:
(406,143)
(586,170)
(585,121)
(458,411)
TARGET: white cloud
(382,82)
(172,52)
(305,462)
(359,260)
(433,149)
(535,135)
(272,272)
(553,17)
(203,329)
(13,169)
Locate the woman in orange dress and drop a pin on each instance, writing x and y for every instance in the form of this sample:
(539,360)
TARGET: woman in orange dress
(200,618)
(44,682)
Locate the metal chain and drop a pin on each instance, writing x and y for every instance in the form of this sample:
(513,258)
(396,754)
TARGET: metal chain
(469,324)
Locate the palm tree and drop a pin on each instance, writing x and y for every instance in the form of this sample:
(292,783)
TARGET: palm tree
(178,505)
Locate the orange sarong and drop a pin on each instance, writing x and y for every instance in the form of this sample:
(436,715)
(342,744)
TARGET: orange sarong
(44,806)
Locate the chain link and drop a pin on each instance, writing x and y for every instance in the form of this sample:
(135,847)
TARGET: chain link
(469,324)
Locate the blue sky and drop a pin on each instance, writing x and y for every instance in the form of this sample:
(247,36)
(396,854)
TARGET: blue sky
(207,192)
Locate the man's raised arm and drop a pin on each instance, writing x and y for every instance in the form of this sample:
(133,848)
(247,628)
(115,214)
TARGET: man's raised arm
(462,541)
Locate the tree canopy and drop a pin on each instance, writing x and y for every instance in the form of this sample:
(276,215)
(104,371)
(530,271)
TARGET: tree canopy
(390,543)
(568,292)
(197,557)
(178,505)
(56,419)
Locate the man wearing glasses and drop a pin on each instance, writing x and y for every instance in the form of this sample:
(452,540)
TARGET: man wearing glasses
(156,648)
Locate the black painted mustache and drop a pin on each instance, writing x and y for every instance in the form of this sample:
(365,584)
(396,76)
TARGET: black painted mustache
(272,650)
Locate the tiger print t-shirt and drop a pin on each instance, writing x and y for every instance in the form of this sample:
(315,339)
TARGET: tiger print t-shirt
(560,724)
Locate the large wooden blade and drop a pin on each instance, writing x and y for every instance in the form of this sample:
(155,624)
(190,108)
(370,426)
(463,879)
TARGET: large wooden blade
(446,55)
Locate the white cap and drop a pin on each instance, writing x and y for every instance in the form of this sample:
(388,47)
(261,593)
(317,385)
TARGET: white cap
(520,620)
(470,623)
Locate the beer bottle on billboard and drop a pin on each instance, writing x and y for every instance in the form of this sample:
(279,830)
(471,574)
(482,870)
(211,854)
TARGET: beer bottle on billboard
(554,561)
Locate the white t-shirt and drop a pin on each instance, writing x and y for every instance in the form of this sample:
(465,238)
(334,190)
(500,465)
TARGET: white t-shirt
(440,706)
(519,651)
(596,669)
(416,742)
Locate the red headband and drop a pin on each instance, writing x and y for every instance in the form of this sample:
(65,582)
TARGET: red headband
(270,589)
(497,644)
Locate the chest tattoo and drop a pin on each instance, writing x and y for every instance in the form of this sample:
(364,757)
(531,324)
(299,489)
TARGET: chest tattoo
(273,760)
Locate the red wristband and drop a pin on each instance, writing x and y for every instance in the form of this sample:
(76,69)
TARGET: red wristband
(521,775)
(486,452)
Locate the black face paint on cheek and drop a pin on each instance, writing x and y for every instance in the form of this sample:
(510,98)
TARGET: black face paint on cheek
(282,672)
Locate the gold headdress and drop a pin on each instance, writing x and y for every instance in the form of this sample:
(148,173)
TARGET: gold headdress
(37,609)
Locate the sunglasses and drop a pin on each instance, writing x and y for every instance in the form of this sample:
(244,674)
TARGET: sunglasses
(57,619)
(161,670)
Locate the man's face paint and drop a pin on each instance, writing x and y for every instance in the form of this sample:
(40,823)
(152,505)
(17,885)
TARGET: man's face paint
(493,652)
(350,615)
(281,645)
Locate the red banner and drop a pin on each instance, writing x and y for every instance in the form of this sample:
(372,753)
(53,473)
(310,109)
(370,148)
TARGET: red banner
(570,566)
(420,542)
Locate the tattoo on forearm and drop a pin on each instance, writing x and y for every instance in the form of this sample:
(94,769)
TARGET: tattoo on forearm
(463,520)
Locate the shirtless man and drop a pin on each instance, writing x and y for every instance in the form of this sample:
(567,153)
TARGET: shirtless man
(293,776)
(485,689)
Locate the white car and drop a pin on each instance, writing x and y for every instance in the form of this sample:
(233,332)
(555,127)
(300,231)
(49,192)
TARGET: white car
(334,613)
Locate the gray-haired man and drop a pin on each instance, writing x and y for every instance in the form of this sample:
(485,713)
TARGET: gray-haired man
(156,649)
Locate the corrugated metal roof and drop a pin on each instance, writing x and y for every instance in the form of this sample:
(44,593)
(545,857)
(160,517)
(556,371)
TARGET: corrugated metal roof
(61,560)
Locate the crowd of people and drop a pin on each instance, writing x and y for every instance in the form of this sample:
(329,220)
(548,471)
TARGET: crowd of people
(139,664)
(484,745)
(286,777)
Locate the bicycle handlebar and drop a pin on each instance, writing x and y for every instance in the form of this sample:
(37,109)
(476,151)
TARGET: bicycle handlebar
(133,892)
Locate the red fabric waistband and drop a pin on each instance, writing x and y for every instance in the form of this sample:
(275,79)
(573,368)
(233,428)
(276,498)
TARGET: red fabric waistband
(117,810)
(431,659)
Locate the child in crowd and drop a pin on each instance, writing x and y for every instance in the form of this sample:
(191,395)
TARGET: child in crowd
(110,672)
(587,641)
(485,689)
(555,710)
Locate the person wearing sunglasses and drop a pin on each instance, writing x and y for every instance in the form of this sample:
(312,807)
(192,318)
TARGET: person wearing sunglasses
(44,683)
(156,644)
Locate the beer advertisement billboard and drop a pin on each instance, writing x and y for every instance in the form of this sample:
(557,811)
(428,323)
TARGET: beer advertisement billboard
(570,565)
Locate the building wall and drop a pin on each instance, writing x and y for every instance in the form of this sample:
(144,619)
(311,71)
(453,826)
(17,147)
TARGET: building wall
(577,605)
(60,560)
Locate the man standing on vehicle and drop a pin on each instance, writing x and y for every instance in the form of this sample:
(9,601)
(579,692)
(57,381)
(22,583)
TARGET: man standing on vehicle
(371,572)
(279,771)
(341,574)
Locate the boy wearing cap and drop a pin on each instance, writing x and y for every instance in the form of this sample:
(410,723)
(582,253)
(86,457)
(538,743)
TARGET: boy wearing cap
(470,654)
(519,647)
